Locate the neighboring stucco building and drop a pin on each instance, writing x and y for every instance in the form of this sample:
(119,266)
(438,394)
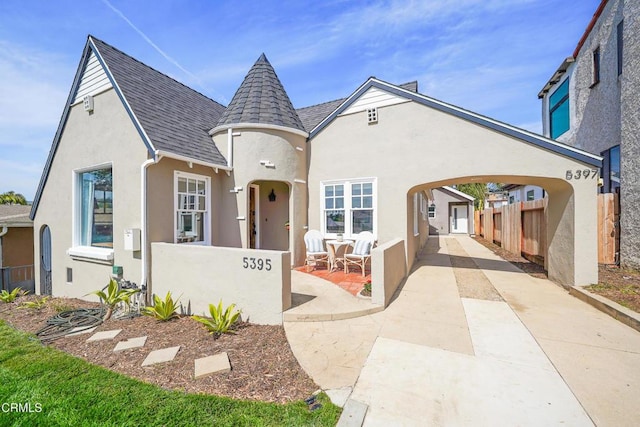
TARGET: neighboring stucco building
(523,193)
(210,201)
(591,102)
(450,212)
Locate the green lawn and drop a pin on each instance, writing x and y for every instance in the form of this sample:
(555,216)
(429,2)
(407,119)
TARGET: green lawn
(72,392)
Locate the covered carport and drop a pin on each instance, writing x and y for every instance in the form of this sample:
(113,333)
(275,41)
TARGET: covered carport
(418,143)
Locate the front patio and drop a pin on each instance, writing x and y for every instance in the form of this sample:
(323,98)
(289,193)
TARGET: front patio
(352,282)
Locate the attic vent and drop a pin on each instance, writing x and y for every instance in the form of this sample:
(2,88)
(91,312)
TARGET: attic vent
(372,115)
(87,101)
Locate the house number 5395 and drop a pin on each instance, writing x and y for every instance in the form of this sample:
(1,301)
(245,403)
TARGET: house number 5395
(256,263)
(581,174)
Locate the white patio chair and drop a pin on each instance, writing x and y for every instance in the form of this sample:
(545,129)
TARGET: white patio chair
(361,252)
(315,249)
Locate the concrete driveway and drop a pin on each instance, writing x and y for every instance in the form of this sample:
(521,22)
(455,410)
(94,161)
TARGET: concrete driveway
(471,340)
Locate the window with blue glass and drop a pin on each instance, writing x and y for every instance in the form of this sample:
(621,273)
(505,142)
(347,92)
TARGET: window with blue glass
(559,110)
(96,208)
(611,170)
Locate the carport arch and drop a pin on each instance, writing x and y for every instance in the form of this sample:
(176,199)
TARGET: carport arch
(562,262)
(418,140)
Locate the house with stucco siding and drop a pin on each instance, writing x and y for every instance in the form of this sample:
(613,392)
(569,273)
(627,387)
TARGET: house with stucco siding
(591,102)
(151,180)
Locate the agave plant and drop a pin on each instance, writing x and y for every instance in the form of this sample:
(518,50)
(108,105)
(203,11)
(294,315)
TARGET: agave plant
(37,304)
(7,297)
(221,320)
(162,310)
(114,296)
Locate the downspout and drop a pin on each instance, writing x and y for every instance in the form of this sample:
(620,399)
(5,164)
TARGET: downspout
(143,222)
(230,147)
(4,231)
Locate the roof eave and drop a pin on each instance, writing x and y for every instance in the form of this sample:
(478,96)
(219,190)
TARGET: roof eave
(246,125)
(557,76)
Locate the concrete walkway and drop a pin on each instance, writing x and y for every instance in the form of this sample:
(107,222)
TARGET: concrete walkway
(521,351)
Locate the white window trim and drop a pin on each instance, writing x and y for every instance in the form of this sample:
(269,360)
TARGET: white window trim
(347,205)
(416,225)
(432,212)
(77,250)
(207,202)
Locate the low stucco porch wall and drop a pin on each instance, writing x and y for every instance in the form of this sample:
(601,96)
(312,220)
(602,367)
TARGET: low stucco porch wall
(257,281)
(388,270)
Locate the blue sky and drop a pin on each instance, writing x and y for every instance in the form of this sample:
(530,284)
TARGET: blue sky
(488,56)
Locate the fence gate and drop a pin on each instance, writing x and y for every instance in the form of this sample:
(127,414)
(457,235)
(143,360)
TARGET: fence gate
(45,261)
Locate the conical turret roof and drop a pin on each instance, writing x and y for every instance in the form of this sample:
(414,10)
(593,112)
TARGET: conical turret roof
(261,98)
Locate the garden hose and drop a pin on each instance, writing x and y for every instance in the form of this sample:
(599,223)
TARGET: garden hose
(72,321)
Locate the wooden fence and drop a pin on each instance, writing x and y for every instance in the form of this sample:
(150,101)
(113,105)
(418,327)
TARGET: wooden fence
(520,228)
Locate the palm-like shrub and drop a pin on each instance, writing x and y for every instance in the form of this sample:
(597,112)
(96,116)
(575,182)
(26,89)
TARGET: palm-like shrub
(37,304)
(6,296)
(221,320)
(114,296)
(162,310)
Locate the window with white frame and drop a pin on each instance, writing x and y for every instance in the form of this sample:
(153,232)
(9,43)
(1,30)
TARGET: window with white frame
(94,208)
(432,211)
(192,208)
(348,207)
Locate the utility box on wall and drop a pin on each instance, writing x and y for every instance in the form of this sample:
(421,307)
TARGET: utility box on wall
(132,239)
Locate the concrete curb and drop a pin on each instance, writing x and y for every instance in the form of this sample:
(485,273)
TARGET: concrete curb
(327,317)
(613,309)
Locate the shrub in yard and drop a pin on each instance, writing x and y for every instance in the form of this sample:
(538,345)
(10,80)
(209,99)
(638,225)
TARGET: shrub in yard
(114,296)
(37,304)
(221,320)
(7,297)
(367,286)
(162,310)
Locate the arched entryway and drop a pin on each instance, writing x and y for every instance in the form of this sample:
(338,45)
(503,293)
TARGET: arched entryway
(45,261)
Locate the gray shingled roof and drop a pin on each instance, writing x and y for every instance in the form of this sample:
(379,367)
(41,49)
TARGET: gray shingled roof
(314,114)
(261,98)
(175,117)
(15,215)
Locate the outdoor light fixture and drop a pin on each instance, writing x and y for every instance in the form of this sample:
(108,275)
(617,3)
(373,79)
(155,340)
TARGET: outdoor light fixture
(272,196)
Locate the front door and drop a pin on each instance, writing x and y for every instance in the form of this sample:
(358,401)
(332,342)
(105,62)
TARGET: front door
(45,261)
(254,216)
(459,219)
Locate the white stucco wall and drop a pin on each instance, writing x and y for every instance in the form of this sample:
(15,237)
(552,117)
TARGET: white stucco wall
(106,135)
(203,275)
(286,150)
(404,152)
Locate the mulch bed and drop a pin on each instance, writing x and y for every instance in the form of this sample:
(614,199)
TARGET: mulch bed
(619,285)
(262,364)
(531,268)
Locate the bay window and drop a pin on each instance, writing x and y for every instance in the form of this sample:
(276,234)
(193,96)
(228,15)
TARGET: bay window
(348,207)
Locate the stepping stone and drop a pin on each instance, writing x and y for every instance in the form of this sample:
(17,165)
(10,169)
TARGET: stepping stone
(130,343)
(104,335)
(79,331)
(160,356)
(353,414)
(212,365)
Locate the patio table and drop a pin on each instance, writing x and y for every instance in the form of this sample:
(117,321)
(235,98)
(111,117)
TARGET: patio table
(336,251)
